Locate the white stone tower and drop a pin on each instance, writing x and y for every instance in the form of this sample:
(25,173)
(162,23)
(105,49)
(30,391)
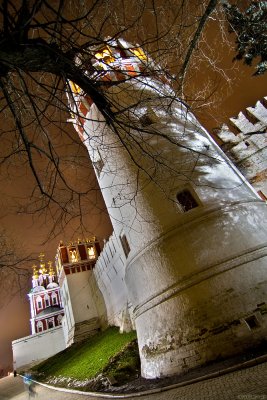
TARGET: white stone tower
(192,229)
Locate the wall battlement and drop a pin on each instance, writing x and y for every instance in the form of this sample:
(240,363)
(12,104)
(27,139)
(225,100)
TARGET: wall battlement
(247,147)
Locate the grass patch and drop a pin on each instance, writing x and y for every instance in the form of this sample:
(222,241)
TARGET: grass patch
(125,365)
(87,359)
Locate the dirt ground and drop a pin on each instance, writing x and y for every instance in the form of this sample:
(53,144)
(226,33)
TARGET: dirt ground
(138,384)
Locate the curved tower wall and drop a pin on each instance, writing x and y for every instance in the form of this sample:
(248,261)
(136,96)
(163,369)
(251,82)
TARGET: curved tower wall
(196,274)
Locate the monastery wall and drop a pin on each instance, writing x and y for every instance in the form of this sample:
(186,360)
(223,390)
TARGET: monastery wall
(248,147)
(35,348)
(110,273)
(85,310)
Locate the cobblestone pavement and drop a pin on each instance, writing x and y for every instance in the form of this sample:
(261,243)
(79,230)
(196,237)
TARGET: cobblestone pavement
(245,384)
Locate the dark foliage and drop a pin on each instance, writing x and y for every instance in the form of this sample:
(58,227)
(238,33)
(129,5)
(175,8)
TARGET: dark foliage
(250,26)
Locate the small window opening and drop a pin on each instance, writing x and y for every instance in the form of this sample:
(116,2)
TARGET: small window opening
(252,322)
(98,164)
(39,304)
(148,118)
(186,200)
(91,252)
(54,300)
(50,324)
(125,245)
(247,143)
(262,195)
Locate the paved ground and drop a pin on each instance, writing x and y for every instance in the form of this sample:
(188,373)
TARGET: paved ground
(244,384)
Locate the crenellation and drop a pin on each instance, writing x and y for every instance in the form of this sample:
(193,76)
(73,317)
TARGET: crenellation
(259,112)
(242,123)
(248,148)
(229,137)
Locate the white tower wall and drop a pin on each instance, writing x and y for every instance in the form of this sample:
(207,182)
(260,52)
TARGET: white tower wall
(196,279)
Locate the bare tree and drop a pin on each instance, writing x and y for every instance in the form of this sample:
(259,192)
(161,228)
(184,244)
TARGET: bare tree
(14,268)
(45,45)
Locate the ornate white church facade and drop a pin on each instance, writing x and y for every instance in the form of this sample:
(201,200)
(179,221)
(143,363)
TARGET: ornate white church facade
(47,311)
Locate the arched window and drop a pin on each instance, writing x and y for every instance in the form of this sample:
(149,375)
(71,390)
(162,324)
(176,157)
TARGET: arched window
(91,252)
(50,323)
(59,319)
(40,326)
(39,303)
(73,255)
(47,300)
(54,299)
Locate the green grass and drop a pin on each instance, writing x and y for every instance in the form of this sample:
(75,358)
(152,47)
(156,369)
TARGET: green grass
(125,365)
(87,359)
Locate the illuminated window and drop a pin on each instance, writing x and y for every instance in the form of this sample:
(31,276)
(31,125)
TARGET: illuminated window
(105,55)
(186,200)
(75,88)
(73,255)
(138,52)
(125,245)
(91,253)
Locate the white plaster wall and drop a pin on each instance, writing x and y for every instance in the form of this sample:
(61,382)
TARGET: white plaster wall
(82,294)
(68,321)
(83,301)
(110,277)
(34,348)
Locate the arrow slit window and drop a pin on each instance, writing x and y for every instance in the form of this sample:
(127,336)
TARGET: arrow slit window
(125,245)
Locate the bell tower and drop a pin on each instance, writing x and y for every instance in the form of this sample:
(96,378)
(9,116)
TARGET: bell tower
(192,229)
(45,298)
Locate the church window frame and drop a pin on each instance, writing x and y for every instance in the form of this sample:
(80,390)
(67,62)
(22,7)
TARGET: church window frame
(91,252)
(73,254)
(54,299)
(50,323)
(39,327)
(39,303)
(47,300)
